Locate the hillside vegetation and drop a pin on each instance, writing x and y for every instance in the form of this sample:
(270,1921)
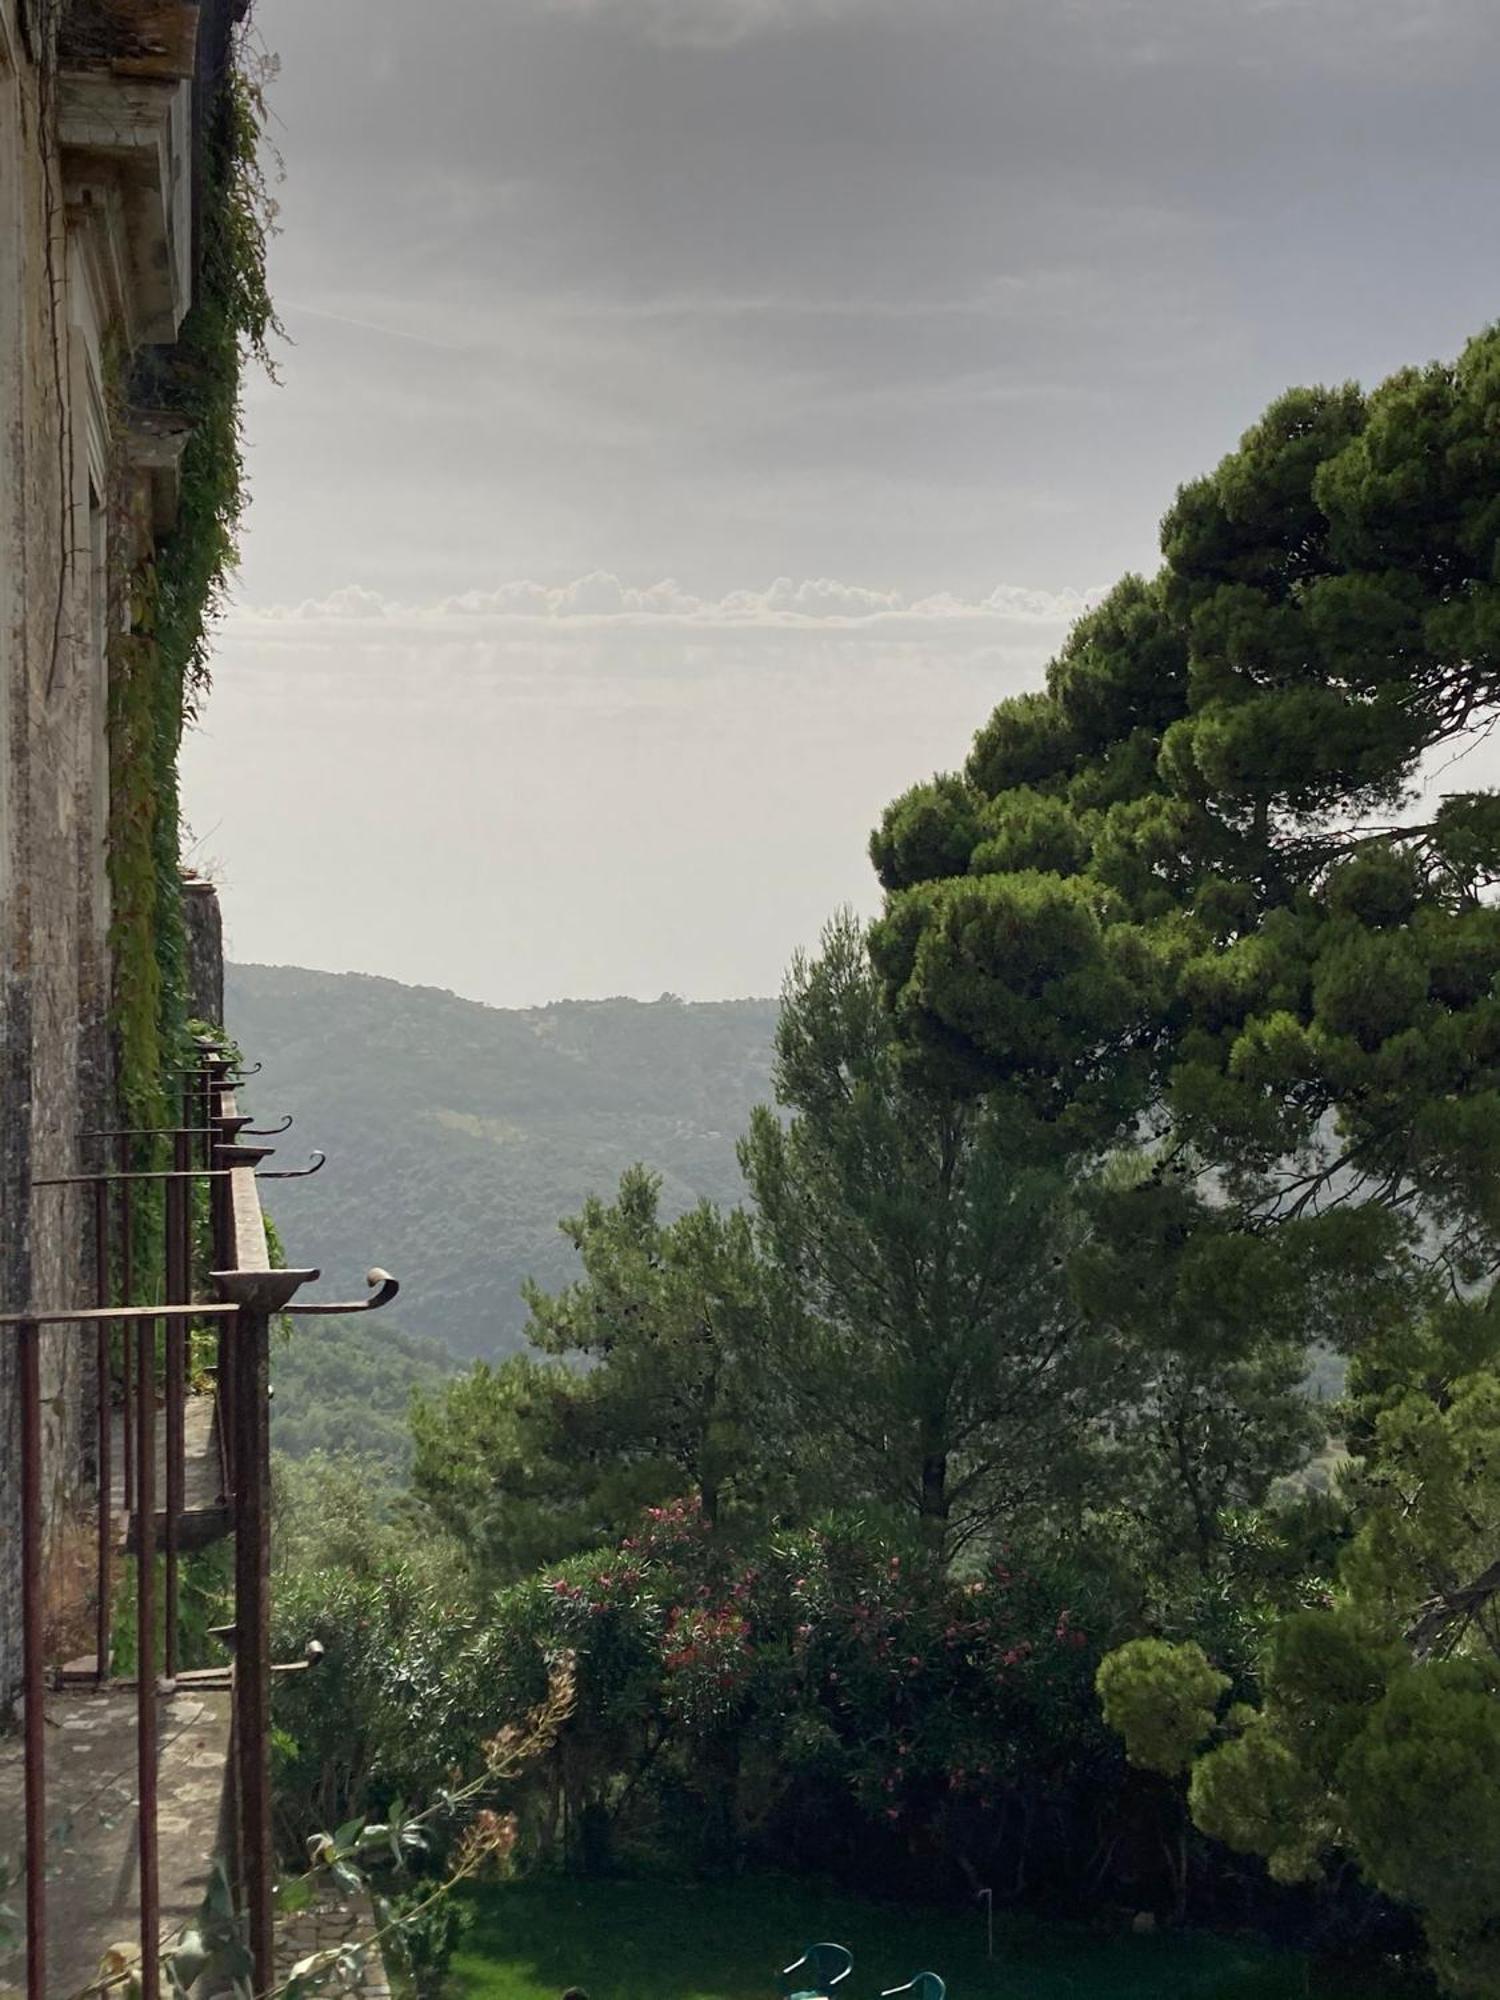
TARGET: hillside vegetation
(344,1386)
(458,1134)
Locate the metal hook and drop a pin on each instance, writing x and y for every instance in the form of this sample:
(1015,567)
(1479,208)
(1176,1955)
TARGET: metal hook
(268,1131)
(383,1289)
(295,1173)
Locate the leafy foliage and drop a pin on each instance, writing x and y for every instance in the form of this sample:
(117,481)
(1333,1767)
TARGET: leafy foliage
(673,1313)
(1162,1699)
(818,1689)
(919,1318)
(159,661)
(906,1319)
(1175,911)
(1378,1726)
(1162,890)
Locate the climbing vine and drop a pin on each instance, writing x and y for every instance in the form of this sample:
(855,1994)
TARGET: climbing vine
(159,667)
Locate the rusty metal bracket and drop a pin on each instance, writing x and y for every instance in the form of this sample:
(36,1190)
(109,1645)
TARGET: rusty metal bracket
(92,1315)
(383,1288)
(149,1132)
(319,1159)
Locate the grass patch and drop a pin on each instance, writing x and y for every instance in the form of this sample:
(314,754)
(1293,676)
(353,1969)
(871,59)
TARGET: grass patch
(656,1941)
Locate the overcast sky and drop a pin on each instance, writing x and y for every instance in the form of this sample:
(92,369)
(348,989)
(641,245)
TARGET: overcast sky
(698,413)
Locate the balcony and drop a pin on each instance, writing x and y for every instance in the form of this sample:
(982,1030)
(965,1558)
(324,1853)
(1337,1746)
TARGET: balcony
(139,1779)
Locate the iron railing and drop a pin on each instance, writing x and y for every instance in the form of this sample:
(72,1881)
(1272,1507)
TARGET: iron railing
(140,1350)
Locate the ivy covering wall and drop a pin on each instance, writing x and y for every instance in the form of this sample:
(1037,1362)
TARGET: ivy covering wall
(159,669)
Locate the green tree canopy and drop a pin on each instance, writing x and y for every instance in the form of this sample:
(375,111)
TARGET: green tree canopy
(653,1389)
(923,1326)
(1177,913)
(1358,1751)
(1173,891)
(1378,1728)
(953,1317)
(490,1466)
(670,1315)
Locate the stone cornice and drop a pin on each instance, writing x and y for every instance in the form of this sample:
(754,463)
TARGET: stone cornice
(130,137)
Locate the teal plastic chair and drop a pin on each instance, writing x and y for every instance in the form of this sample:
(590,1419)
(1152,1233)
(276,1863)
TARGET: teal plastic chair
(923,1986)
(814,1975)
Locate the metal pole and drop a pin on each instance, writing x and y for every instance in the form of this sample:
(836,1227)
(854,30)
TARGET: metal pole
(104,1371)
(221,1252)
(29,1337)
(127,1298)
(145,1630)
(182,1162)
(176,1390)
(203,1115)
(252,1653)
(185,1147)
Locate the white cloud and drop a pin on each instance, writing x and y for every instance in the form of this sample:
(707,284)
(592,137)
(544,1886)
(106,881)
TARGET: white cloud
(1342,36)
(594,785)
(717,24)
(1342,32)
(602,600)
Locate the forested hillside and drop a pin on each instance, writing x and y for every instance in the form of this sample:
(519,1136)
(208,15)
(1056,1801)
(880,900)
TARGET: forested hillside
(459,1134)
(345,1385)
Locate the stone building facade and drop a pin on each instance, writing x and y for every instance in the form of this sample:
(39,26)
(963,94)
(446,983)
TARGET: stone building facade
(96,249)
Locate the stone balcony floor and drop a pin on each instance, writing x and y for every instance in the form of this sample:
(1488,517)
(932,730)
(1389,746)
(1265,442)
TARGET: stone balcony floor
(93,1875)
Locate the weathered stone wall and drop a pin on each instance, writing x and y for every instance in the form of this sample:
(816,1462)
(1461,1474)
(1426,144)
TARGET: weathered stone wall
(203,925)
(53,796)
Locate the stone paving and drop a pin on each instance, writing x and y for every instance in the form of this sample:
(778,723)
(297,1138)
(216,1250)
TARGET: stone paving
(93,1876)
(325,1927)
(93,1906)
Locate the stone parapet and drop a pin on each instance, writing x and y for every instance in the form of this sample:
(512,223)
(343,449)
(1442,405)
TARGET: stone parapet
(203,923)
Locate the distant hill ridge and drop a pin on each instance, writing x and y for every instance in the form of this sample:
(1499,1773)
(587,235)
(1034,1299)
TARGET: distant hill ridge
(458,1134)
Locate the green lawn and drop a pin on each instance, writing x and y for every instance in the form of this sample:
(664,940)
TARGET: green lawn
(656,1941)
